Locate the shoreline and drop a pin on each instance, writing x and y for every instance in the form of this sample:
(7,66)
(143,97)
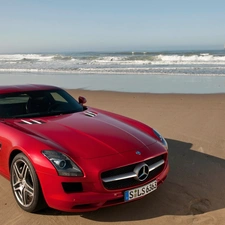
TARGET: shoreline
(130,83)
(138,93)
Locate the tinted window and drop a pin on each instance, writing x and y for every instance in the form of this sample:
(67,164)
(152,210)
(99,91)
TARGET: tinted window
(37,103)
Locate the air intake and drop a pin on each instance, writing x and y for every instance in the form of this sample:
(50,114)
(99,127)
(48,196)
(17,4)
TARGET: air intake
(90,114)
(31,121)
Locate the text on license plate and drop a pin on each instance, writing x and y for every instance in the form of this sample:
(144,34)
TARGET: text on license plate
(141,191)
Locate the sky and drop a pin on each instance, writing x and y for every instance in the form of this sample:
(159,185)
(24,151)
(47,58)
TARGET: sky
(32,26)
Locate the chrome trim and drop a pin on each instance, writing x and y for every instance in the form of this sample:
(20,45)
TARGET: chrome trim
(120,177)
(132,174)
(156,165)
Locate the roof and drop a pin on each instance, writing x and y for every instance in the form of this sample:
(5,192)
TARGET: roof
(25,87)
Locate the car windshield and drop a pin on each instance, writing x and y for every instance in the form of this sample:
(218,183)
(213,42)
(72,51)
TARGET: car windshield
(37,103)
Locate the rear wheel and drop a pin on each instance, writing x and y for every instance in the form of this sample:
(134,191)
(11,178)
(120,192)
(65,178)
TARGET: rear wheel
(25,184)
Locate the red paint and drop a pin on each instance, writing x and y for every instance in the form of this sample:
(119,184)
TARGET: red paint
(96,144)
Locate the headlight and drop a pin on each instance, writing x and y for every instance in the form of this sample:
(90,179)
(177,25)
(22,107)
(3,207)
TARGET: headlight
(63,165)
(161,139)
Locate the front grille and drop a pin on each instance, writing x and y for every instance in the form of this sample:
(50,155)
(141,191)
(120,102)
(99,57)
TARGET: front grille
(129,182)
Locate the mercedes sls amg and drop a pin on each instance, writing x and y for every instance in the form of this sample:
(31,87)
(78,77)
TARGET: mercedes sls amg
(57,152)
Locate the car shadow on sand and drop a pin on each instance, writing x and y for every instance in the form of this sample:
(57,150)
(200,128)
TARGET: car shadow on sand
(195,185)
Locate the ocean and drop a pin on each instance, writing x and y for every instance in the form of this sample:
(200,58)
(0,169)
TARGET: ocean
(152,72)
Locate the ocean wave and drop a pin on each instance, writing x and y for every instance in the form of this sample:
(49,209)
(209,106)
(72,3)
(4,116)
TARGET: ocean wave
(160,59)
(22,57)
(119,58)
(62,57)
(123,71)
(201,63)
(191,59)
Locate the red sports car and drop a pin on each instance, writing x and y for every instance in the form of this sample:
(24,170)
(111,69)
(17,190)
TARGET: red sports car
(59,153)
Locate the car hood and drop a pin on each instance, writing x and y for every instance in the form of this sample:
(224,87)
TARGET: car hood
(87,134)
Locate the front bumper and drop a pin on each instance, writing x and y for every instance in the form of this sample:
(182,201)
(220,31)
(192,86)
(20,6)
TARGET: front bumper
(90,198)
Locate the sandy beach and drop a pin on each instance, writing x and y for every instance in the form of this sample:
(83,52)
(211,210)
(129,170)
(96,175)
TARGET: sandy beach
(193,193)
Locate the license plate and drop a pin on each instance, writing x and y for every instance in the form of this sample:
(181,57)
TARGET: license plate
(140,192)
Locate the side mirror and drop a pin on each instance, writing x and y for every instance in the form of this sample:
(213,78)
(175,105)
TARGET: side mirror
(82,100)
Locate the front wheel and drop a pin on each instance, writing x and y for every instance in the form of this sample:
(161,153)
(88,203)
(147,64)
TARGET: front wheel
(25,184)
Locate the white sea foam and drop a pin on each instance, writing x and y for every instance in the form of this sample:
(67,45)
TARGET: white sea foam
(198,64)
(190,59)
(18,57)
(206,57)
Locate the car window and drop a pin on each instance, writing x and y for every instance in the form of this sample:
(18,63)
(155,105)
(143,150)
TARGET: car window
(10,99)
(37,104)
(57,97)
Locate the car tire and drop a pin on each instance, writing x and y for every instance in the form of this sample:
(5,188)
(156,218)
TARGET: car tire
(25,184)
